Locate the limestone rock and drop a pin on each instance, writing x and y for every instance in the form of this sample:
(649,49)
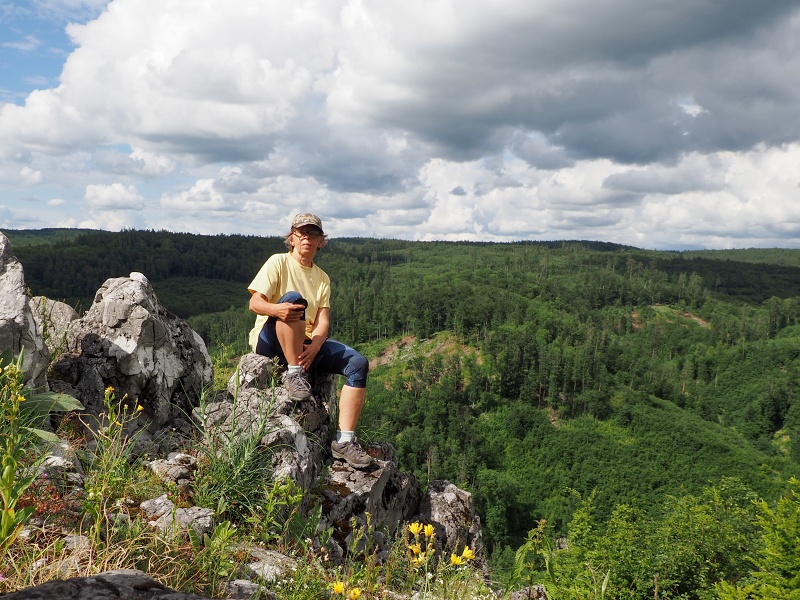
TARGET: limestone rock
(175,468)
(255,371)
(535,592)
(296,433)
(243,589)
(271,565)
(124,584)
(157,507)
(199,519)
(18,331)
(52,320)
(62,465)
(387,494)
(127,340)
(452,513)
(162,514)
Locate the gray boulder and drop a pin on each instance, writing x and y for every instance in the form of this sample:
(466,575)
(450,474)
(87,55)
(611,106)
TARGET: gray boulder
(18,331)
(295,434)
(124,584)
(127,340)
(450,510)
(161,513)
(52,321)
(385,493)
(62,465)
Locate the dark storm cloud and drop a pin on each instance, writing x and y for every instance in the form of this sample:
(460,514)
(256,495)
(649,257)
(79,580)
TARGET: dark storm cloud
(606,80)
(207,148)
(660,181)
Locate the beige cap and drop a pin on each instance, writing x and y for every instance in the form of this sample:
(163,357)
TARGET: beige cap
(303,219)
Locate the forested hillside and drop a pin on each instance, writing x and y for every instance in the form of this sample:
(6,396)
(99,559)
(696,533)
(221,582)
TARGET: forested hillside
(547,378)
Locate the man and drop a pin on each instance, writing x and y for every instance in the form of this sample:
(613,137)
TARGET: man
(291,296)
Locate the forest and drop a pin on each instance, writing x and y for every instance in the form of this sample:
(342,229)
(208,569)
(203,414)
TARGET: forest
(607,393)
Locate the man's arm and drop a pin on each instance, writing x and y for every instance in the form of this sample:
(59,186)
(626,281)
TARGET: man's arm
(318,336)
(285,311)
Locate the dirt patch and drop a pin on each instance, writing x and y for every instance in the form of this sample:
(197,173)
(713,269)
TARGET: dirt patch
(696,319)
(666,311)
(554,416)
(446,345)
(391,353)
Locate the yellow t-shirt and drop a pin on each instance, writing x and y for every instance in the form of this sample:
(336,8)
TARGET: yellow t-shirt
(280,274)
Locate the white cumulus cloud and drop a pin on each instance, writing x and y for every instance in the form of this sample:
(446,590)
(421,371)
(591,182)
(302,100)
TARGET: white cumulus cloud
(29,176)
(202,196)
(113,197)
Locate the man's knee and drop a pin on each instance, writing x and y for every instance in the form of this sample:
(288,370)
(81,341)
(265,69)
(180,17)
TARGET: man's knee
(292,297)
(357,371)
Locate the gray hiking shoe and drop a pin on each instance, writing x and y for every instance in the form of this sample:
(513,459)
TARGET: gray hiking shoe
(297,386)
(352,453)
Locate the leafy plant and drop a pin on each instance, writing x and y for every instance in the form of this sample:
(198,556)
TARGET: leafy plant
(18,414)
(213,552)
(110,468)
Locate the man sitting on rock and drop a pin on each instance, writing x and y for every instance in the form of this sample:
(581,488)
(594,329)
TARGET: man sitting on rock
(291,296)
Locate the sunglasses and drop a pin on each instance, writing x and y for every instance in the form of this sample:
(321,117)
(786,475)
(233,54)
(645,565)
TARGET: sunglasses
(311,234)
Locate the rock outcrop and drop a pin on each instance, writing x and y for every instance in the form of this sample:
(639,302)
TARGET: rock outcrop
(124,584)
(451,511)
(18,332)
(52,321)
(295,432)
(298,435)
(128,341)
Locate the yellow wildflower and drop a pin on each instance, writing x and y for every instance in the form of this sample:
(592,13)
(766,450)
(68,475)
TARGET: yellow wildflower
(456,559)
(21,398)
(139,408)
(467,553)
(117,423)
(354,594)
(415,549)
(338,587)
(415,528)
(430,530)
(417,560)
(110,390)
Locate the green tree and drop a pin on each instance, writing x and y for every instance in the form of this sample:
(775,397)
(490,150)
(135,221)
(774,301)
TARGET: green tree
(776,575)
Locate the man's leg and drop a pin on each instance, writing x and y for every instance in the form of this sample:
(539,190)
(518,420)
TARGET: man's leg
(290,337)
(335,357)
(351,401)
(295,380)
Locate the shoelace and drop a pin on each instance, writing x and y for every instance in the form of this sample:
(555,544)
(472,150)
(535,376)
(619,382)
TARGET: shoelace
(299,381)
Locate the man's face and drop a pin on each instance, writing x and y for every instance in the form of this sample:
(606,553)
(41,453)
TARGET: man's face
(308,236)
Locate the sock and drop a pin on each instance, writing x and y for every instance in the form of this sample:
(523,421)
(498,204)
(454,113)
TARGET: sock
(345,436)
(295,369)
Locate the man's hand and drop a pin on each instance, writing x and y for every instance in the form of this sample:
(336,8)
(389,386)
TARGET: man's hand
(288,312)
(307,356)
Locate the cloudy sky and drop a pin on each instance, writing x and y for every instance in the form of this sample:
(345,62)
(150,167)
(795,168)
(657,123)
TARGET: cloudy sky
(665,124)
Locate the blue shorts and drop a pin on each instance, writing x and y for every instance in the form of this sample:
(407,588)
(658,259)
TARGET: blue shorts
(333,356)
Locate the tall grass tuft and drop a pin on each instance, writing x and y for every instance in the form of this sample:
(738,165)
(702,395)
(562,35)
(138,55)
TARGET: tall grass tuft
(111,472)
(234,473)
